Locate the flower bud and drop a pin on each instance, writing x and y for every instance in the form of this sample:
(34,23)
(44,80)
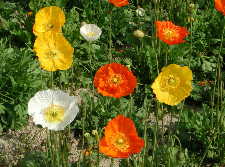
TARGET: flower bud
(138,33)
(192,6)
(87,135)
(83,23)
(95,132)
(140,12)
(190,19)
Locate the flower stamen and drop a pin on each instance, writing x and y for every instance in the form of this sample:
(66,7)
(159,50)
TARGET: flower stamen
(120,142)
(54,113)
(169,34)
(91,34)
(116,79)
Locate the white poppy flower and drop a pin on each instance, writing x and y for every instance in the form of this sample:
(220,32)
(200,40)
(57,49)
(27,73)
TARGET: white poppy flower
(140,12)
(90,32)
(53,109)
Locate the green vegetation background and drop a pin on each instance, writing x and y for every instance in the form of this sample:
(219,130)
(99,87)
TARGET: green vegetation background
(198,138)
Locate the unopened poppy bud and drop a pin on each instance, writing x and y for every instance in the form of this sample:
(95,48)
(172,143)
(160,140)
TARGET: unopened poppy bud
(192,6)
(87,152)
(83,23)
(95,132)
(138,33)
(140,12)
(190,19)
(87,135)
(29,13)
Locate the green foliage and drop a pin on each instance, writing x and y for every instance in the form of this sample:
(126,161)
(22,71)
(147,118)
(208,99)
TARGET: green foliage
(33,159)
(197,138)
(19,81)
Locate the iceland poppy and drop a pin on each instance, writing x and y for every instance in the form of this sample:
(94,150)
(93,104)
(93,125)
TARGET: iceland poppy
(119,3)
(114,80)
(220,6)
(54,52)
(173,84)
(121,139)
(170,33)
(53,109)
(47,19)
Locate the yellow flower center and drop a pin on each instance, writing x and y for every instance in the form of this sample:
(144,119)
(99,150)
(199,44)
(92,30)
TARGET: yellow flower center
(54,113)
(169,33)
(120,142)
(49,26)
(172,81)
(91,34)
(51,54)
(116,79)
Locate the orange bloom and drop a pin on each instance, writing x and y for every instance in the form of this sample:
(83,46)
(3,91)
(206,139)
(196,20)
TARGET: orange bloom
(220,6)
(119,3)
(170,33)
(121,138)
(114,80)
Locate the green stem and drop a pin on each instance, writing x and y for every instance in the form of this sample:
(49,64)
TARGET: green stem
(110,38)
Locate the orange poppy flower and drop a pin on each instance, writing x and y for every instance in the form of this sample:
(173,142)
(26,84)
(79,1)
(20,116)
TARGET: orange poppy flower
(170,33)
(121,139)
(119,3)
(114,80)
(220,6)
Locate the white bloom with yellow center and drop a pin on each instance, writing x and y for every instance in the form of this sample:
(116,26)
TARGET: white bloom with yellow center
(90,32)
(53,109)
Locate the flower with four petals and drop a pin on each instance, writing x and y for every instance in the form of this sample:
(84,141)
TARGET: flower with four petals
(173,84)
(54,52)
(90,32)
(121,139)
(115,80)
(53,109)
(170,33)
(220,6)
(48,19)
(119,3)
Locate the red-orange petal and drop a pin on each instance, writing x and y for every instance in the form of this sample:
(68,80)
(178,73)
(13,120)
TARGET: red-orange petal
(220,6)
(114,80)
(117,127)
(119,3)
(170,33)
(122,124)
(109,151)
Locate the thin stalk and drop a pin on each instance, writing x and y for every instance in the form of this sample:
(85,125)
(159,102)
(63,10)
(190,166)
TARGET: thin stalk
(110,38)
(155,140)
(147,109)
(220,89)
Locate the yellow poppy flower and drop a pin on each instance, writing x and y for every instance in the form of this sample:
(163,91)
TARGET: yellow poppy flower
(53,51)
(48,19)
(173,84)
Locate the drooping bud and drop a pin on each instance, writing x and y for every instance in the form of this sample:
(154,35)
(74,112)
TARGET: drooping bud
(140,12)
(138,33)
(83,23)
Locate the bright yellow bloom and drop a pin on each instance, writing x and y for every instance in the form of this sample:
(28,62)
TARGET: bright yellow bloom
(54,51)
(173,84)
(48,19)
